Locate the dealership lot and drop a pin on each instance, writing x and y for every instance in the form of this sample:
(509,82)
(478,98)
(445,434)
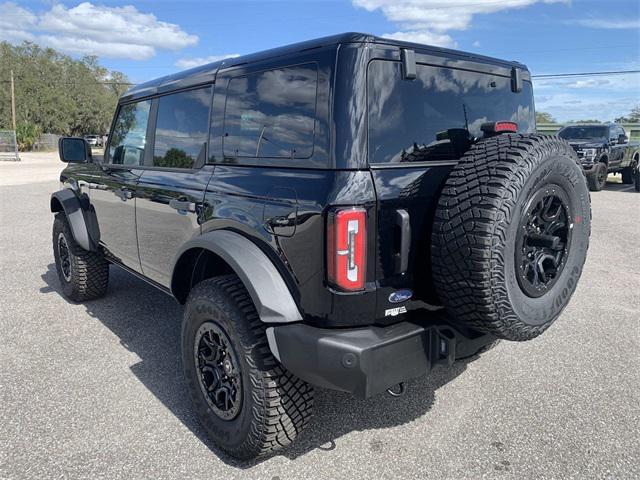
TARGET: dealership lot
(96,389)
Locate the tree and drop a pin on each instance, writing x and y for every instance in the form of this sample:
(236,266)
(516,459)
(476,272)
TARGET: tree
(56,93)
(544,117)
(634,116)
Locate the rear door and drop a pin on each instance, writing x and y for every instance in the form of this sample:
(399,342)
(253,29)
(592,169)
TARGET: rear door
(113,187)
(417,130)
(170,191)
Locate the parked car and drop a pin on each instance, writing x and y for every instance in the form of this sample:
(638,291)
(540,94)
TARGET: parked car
(602,149)
(94,140)
(345,213)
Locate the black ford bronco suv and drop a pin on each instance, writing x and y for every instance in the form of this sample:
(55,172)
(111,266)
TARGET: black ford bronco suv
(342,213)
(603,148)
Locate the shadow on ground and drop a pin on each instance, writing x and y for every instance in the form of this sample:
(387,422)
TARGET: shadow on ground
(615,185)
(147,322)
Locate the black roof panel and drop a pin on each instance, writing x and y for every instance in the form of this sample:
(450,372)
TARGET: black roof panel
(207,71)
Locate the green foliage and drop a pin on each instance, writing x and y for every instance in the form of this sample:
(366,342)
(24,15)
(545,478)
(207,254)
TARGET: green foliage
(584,121)
(26,135)
(544,117)
(175,158)
(633,117)
(57,93)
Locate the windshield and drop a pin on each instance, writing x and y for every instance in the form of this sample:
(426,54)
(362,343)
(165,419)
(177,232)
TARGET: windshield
(583,132)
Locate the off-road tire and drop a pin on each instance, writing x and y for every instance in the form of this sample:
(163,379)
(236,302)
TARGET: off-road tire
(477,225)
(597,179)
(276,406)
(636,178)
(627,175)
(85,275)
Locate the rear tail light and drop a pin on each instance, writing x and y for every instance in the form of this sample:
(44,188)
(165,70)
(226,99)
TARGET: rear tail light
(346,248)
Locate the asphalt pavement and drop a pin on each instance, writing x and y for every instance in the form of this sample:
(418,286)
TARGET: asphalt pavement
(95,390)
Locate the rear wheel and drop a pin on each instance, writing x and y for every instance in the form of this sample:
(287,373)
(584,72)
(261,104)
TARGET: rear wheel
(597,178)
(627,175)
(511,234)
(83,275)
(246,401)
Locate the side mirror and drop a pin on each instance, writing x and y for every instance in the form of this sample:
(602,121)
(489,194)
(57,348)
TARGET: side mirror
(622,138)
(74,150)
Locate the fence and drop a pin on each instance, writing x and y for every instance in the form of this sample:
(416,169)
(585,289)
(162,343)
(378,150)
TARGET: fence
(632,129)
(46,142)
(8,146)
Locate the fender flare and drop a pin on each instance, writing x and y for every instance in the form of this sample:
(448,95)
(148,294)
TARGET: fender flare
(271,296)
(78,212)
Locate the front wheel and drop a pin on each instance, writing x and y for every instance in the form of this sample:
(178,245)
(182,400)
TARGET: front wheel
(597,178)
(247,402)
(83,275)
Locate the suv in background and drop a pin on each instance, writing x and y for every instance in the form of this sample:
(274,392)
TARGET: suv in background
(602,149)
(345,213)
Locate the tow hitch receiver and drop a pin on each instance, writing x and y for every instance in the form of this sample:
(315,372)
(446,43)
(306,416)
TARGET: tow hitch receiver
(369,360)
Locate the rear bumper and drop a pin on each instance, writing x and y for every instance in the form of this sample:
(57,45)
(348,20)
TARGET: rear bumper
(369,360)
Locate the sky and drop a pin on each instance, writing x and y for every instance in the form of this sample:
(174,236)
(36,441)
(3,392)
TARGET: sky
(147,39)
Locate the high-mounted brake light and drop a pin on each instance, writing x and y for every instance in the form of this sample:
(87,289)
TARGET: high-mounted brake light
(346,248)
(499,127)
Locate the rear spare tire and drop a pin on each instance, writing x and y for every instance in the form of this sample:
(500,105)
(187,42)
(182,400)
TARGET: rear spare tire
(511,234)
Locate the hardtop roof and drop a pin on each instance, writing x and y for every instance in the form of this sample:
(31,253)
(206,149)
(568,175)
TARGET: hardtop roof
(350,37)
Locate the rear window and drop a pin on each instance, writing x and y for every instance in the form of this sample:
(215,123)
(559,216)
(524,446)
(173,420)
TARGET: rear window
(271,114)
(434,116)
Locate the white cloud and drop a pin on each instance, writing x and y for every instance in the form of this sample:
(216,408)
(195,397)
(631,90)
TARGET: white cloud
(426,21)
(15,22)
(620,24)
(476,43)
(197,61)
(423,36)
(88,29)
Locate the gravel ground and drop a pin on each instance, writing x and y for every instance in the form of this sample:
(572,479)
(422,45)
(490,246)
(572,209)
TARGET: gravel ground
(95,390)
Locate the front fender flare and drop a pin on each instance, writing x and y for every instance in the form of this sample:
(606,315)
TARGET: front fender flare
(268,290)
(78,214)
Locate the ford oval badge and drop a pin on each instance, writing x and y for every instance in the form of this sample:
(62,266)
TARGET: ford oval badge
(400,296)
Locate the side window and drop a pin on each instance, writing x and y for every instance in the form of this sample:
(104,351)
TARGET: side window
(613,133)
(129,134)
(271,114)
(182,129)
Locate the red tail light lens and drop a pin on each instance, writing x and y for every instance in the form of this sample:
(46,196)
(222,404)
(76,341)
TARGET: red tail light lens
(346,248)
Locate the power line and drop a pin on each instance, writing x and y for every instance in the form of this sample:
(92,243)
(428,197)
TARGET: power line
(546,75)
(584,74)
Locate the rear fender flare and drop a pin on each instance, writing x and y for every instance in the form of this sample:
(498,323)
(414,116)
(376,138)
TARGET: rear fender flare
(271,296)
(79,214)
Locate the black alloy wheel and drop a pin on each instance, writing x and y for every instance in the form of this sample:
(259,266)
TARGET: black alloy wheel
(65,260)
(219,376)
(544,237)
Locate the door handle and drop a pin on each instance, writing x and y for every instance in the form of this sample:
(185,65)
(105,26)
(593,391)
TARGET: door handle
(182,205)
(402,256)
(123,194)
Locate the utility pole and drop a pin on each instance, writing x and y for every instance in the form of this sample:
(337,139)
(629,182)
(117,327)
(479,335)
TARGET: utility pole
(13,103)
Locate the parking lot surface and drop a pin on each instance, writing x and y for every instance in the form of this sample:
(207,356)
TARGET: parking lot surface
(95,390)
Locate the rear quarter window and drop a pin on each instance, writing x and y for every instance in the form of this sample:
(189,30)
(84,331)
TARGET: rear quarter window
(271,114)
(433,117)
